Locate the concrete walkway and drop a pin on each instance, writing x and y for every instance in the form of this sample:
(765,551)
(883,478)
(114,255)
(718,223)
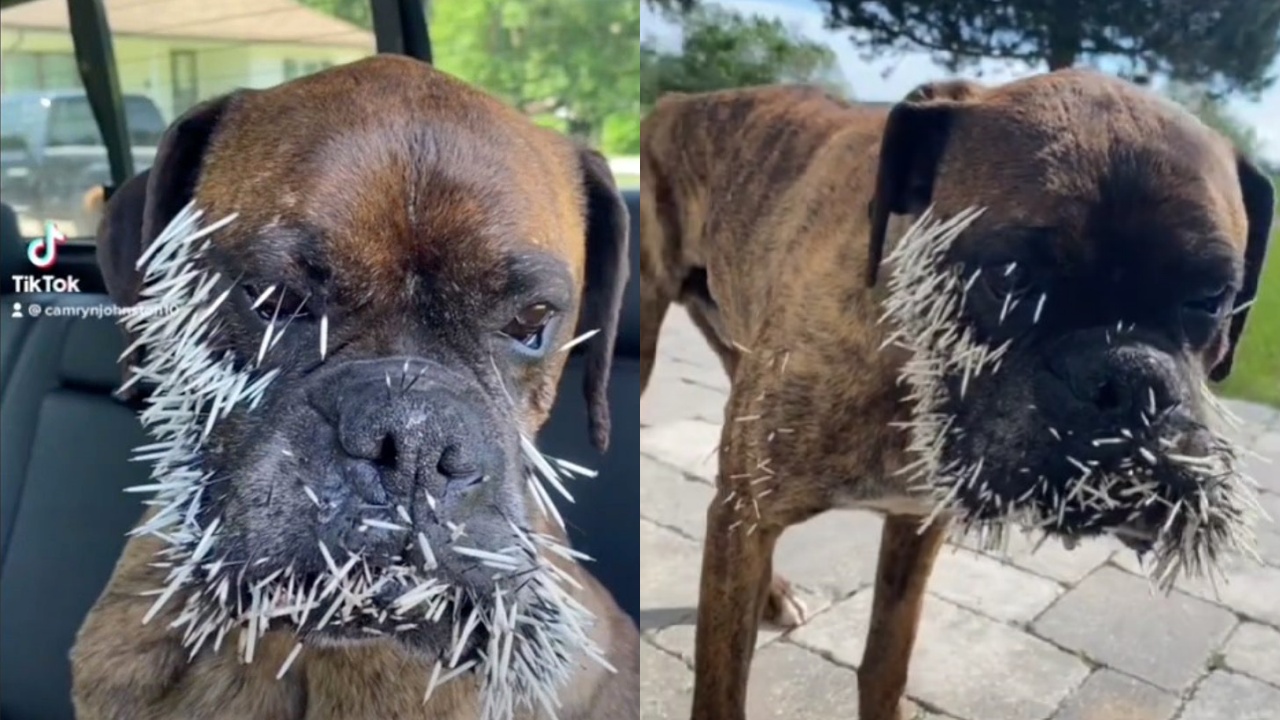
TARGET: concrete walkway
(1052,636)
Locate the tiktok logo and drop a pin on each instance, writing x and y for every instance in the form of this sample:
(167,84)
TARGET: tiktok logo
(43,252)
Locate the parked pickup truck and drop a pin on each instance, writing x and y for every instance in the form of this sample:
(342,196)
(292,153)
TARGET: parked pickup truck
(51,154)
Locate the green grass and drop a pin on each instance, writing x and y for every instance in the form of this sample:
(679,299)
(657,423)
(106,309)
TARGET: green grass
(1256,373)
(627,182)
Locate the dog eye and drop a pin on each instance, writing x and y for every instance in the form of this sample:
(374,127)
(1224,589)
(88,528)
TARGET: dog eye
(1201,315)
(528,326)
(1210,305)
(1006,280)
(276,303)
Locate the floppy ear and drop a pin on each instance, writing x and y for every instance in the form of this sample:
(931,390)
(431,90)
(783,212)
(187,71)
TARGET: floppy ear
(139,210)
(1260,207)
(607,268)
(915,136)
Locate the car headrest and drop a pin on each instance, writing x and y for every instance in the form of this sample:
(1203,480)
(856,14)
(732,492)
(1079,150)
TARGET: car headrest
(93,344)
(13,247)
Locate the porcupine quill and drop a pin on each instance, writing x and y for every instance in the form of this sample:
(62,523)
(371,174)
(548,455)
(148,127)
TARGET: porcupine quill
(924,309)
(535,630)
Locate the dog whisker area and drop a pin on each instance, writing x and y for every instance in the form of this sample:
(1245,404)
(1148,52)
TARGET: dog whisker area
(1193,522)
(523,636)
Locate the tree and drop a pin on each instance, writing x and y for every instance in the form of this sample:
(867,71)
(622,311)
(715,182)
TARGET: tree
(569,64)
(722,49)
(1216,115)
(572,64)
(1221,45)
(356,12)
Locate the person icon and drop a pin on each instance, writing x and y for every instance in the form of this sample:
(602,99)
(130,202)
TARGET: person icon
(17,310)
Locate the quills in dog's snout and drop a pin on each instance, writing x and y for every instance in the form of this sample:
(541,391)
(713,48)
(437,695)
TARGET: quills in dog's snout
(925,314)
(523,641)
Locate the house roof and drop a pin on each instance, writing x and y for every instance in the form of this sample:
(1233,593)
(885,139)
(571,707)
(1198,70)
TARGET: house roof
(249,21)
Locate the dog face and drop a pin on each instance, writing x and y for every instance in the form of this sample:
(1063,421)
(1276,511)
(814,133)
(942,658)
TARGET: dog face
(1105,279)
(406,261)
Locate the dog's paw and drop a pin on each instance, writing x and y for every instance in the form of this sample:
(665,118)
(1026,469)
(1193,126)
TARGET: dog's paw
(783,608)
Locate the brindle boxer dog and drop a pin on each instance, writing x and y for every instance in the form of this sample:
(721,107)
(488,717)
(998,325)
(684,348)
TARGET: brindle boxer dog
(765,212)
(436,227)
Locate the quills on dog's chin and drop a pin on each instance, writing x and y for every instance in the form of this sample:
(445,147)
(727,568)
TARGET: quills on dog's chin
(923,311)
(535,633)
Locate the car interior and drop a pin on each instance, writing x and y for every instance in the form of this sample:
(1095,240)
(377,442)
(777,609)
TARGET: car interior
(67,442)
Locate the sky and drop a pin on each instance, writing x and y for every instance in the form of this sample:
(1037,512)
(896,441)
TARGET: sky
(893,77)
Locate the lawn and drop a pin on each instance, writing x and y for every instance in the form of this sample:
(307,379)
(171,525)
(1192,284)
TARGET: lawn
(1256,373)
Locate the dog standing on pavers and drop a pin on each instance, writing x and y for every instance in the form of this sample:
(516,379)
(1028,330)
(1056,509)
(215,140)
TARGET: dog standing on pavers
(407,257)
(1057,345)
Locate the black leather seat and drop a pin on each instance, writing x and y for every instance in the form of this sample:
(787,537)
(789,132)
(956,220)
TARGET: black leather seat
(64,460)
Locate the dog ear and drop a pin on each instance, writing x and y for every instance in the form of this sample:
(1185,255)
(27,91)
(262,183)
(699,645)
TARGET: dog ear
(915,136)
(1260,207)
(607,268)
(139,210)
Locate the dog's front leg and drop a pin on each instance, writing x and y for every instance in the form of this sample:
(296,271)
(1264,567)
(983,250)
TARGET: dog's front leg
(906,559)
(736,571)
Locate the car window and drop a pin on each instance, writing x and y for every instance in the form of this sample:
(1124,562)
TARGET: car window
(573,65)
(71,123)
(170,55)
(37,65)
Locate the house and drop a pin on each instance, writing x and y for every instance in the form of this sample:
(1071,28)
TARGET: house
(179,51)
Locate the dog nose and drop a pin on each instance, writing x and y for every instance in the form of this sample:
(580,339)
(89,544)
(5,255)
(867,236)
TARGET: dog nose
(1129,386)
(430,433)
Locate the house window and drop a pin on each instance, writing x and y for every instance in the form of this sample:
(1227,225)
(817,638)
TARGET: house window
(298,68)
(184,79)
(40,71)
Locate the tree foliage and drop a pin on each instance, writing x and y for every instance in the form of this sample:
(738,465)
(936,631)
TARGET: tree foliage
(1215,114)
(722,49)
(570,64)
(1221,45)
(356,12)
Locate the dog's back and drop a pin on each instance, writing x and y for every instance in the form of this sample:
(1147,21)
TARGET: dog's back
(806,159)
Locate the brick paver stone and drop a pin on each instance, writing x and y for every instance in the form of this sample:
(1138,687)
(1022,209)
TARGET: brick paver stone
(687,444)
(1108,695)
(990,587)
(668,498)
(1252,414)
(1250,589)
(1051,559)
(1268,444)
(680,638)
(1268,530)
(1228,696)
(1113,618)
(964,664)
(789,683)
(673,400)
(697,365)
(669,566)
(666,686)
(1266,469)
(834,554)
(1255,650)
(972,662)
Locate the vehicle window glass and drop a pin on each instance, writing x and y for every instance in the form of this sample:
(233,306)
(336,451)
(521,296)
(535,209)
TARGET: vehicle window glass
(170,55)
(71,123)
(573,65)
(38,66)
